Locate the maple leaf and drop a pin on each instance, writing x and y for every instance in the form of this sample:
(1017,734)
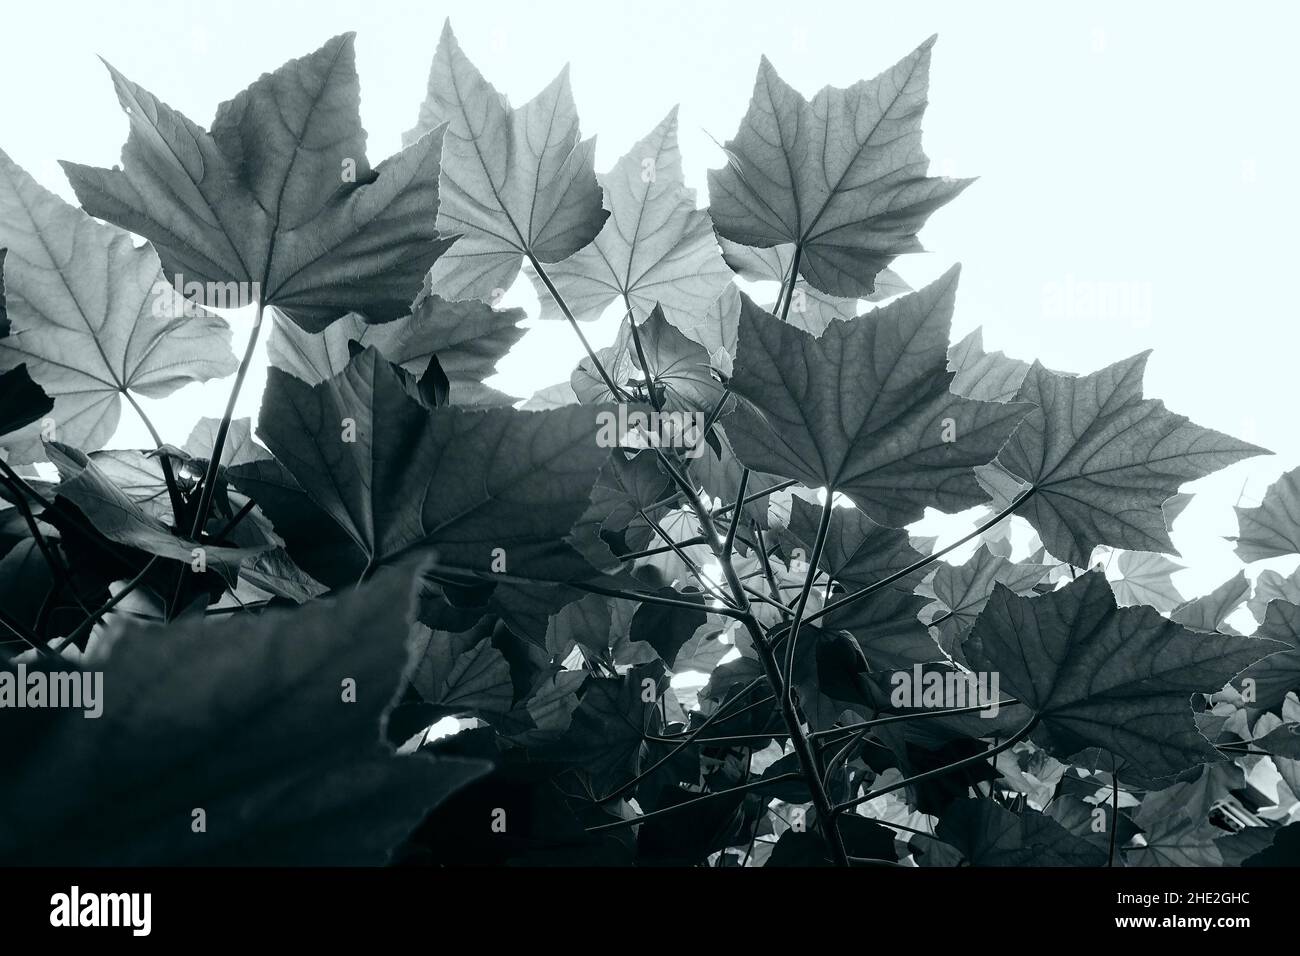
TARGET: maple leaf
(656,248)
(119,517)
(989,835)
(91,317)
(675,367)
(961,591)
(239,447)
(463,482)
(4,317)
(1209,611)
(467,338)
(22,401)
(1278,674)
(460,675)
(987,376)
(842,177)
(810,309)
(865,409)
(1100,675)
(1145,578)
(515,183)
(278,197)
(1100,460)
(859,553)
(243,718)
(1271,529)
(606,738)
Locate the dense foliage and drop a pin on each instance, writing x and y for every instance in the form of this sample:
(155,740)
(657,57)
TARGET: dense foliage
(672,602)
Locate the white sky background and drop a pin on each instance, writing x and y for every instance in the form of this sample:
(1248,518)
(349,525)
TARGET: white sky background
(1141,148)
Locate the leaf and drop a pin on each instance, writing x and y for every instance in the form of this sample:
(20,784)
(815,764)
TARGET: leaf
(1100,675)
(989,835)
(462,482)
(1278,674)
(1195,798)
(22,401)
(461,675)
(1283,741)
(987,376)
(667,629)
(118,517)
(514,183)
(865,409)
(810,309)
(1174,506)
(1175,839)
(718,470)
(553,396)
(1145,579)
(1273,528)
(715,329)
(678,367)
(859,553)
(279,198)
(92,318)
(843,177)
(245,718)
(962,591)
(1210,611)
(467,338)
(703,650)
(607,736)
(1271,586)
(584,623)
(1101,460)
(656,248)
(239,448)
(4,318)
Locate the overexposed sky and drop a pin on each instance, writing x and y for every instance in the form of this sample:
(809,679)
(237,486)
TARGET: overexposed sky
(1140,154)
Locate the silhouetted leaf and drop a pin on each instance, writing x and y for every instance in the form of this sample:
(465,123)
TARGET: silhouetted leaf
(514,183)
(92,318)
(1272,529)
(843,177)
(278,197)
(1100,675)
(247,719)
(1102,460)
(865,409)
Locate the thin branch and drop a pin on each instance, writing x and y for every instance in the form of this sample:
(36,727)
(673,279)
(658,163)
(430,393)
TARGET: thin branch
(640,354)
(1114,810)
(614,390)
(209,480)
(730,541)
(85,626)
(924,562)
(1007,744)
(25,635)
(814,561)
(913,715)
(664,811)
(169,474)
(691,566)
(779,486)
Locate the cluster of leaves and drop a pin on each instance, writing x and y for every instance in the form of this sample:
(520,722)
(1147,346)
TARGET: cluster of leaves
(656,650)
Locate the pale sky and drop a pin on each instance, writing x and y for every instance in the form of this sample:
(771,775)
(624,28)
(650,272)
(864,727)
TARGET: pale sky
(1135,153)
